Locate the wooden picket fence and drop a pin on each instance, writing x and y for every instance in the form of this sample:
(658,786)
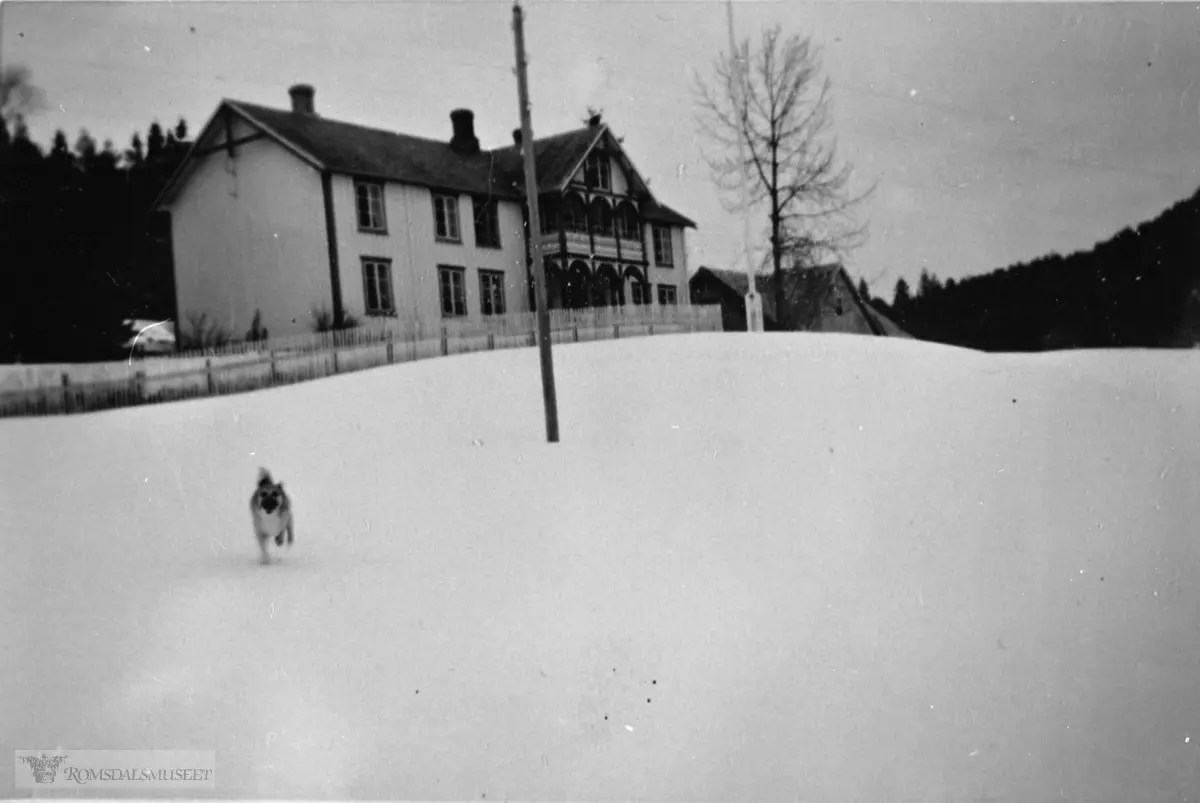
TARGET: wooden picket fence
(252,365)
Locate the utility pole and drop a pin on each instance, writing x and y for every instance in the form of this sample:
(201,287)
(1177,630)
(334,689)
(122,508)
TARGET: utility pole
(534,232)
(754,314)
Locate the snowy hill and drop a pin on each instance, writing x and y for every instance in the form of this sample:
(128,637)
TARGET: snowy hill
(758,567)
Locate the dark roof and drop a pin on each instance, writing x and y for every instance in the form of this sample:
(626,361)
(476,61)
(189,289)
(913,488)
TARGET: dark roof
(653,210)
(371,152)
(555,157)
(358,150)
(805,290)
(736,280)
(889,326)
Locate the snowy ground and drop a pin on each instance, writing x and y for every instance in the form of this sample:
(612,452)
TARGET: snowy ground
(758,567)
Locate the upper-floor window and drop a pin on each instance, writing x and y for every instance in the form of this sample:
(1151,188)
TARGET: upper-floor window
(574,214)
(369,203)
(445,214)
(662,247)
(548,211)
(601,218)
(626,221)
(487,223)
(597,171)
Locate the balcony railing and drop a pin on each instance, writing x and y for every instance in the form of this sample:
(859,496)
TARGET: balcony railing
(606,245)
(632,249)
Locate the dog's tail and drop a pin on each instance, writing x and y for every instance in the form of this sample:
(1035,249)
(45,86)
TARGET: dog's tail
(264,476)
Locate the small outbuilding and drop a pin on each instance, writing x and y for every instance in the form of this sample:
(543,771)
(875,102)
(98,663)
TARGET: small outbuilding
(819,299)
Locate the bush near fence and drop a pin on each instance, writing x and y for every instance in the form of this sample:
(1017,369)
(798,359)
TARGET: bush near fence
(253,365)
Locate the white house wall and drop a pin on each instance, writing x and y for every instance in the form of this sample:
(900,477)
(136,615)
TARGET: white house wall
(415,254)
(216,134)
(249,233)
(676,275)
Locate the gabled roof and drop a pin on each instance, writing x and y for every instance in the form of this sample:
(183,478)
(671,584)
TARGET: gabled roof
(358,150)
(736,280)
(889,326)
(805,289)
(653,210)
(350,149)
(556,158)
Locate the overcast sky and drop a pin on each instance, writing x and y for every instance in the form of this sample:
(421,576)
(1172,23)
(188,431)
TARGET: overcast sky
(996,131)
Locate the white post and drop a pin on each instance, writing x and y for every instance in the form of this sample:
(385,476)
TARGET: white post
(754,319)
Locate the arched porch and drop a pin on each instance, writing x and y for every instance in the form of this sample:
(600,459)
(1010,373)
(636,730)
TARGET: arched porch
(639,289)
(608,290)
(579,286)
(577,289)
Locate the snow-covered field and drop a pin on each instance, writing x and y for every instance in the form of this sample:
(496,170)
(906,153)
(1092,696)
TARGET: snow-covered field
(757,567)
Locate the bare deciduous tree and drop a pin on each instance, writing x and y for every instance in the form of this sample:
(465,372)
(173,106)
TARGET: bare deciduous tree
(781,115)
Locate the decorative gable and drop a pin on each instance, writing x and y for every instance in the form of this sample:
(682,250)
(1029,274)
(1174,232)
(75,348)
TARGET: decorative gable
(605,167)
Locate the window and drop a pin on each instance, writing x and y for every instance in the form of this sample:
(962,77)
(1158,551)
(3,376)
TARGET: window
(491,292)
(549,216)
(369,202)
(454,291)
(445,213)
(574,214)
(666,294)
(487,223)
(601,218)
(662,246)
(596,171)
(377,287)
(627,224)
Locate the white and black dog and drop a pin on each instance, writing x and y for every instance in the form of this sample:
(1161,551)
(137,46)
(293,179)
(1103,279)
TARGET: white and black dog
(271,511)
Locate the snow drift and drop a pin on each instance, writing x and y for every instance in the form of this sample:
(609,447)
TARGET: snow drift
(770,567)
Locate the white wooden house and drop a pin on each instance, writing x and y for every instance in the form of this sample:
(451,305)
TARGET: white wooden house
(289,214)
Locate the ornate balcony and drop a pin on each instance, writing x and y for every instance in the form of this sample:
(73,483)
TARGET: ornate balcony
(605,248)
(632,250)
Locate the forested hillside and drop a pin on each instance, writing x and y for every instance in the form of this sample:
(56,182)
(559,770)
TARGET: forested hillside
(81,248)
(1140,288)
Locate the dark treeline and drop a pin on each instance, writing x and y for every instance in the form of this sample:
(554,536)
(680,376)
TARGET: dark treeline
(81,247)
(1139,289)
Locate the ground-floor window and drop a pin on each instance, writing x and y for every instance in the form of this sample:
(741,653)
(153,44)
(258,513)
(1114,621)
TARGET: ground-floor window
(491,292)
(378,298)
(452,281)
(666,294)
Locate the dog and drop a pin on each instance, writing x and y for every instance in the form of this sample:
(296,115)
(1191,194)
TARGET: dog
(271,512)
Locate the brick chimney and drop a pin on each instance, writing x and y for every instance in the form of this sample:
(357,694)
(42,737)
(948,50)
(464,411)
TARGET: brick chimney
(464,140)
(517,137)
(302,99)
